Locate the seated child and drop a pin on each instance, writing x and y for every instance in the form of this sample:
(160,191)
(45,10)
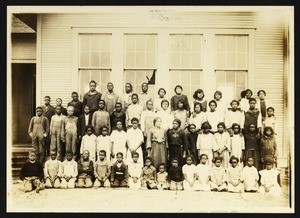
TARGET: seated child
(189,175)
(119,172)
(218,176)
(175,175)
(102,170)
(235,176)
(52,171)
(148,175)
(69,171)
(85,171)
(134,171)
(162,175)
(32,174)
(250,176)
(269,184)
(203,174)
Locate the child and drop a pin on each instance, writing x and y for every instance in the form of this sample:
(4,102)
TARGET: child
(103,143)
(110,98)
(32,173)
(189,174)
(92,97)
(165,115)
(89,142)
(144,96)
(244,104)
(157,143)
(235,176)
(198,116)
(55,132)
(206,142)
(52,171)
(148,176)
(38,130)
(133,110)
(134,171)
(118,114)
(48,111)
(161,96)
(213,116)
(147,118)
(237,144)
(175,175)
(100,117)
(234,115)
(69,171)
(199,97)
(119,172)
(268,146)
(127,96)
(203,174)
(78,105)
(179,96)
(182,115)
(250,176)
(85,171)
(59,104)
(102,171)
(269,184)
(218,176)
(118,140)
(222,146)
(252,145)
(253,116)
(220,102)
(177,142)
(263,104)
(192,137)
(270,120)
(135,139)
(69,131)
(162,178)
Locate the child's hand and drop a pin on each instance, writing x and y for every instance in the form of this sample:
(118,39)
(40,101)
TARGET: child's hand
(31,134)
(45,135)
(262,159)
(134,179)
(80,137)
(184,156)
(63,140)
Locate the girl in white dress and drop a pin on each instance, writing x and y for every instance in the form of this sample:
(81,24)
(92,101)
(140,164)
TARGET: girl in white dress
(203,175)
(198,116)
(237,144)
(88,142)
(234,115)
(222,146)
(218,176)
(250,176)
(103,143)
(118,139)
(235,176)
(189,174)
(213,116)
(165,115)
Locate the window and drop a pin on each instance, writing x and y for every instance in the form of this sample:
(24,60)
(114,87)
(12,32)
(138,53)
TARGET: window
(231,64)
(140,61)
(94,61)
(186,61)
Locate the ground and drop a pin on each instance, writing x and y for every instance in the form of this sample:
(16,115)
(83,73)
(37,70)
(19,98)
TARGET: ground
(126,200)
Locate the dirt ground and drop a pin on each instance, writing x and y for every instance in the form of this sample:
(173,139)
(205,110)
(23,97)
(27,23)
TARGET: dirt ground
(147,201)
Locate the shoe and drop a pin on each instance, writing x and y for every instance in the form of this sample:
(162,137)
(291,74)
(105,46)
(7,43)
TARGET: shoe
(37,190)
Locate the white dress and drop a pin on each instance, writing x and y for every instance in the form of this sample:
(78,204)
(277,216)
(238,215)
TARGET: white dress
(214,118)
(250,177)
(89,143)
(206,143)
(221,141)
(237,144)
(203,172)
(135,138)
(103,143)
(198,119)
(134,170)
(232,117)
(118,138)
(269,178)
(235,175)
(167,119)
(189,171)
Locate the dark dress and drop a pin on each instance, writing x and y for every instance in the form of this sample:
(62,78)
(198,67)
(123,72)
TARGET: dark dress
(92,100)
(176,98)
(114,117)
(177,143)
(191,145)
(251,117)
(252,148)
(175,174)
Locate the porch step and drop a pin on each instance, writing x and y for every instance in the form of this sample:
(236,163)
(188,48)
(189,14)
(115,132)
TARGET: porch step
(18,157)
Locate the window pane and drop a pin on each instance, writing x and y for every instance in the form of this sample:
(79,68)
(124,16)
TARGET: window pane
(95,61)
(242,60)
(105,43)
(231,60)
(196,78)
(140,60)
(85,78)
(241,79)
(196,60)
(95,43)
(220,76)
(84,42)
(242,45)
(185,60)
(85,59)
(105,59)
(230,77)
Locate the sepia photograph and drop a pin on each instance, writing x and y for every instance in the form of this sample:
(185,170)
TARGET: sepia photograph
(150,109)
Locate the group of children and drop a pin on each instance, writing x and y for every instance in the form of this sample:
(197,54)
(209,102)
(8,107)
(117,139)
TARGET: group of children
(139,142)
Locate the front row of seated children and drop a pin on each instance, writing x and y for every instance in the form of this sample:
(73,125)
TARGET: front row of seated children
(86,174)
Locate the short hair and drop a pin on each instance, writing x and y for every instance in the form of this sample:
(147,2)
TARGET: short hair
(47,96)
(238,103)
(149,101)
(110,83)
(39,108)
(173,159)
(252,124)
(161,89)
(69,152)
(214,160)
(93,81)
(74,93)
(234,125)
(70,106)
(31,152)
(196,93)
(190,156)
(155,119)
(118,103)
(261,91)
(206,125)
(144,83)
(120,153)
(134,119)
(103,151)
(162,164)
(86,106)
(213,101)
(271,109)
(219,93)
(128,84)
(163,101)
(202,155)
(102,128)
(221,124)
(148,158)
(248,90)
(233,158)
(177,121)
(252,99)
(178,86)
(197,103)
(86,151)
(249,158)
(134,153)
(89,127)
(59,106)
(268,128)
(190,125)
(269,160)
(101,100)
(136,95)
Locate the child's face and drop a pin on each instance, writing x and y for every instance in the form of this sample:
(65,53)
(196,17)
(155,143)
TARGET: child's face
(178,90)
(144,87)
(261,96)
(234,163)
(218,163)
(110,87)
(68,157)
(134,99)
(161,169)
(118,108)
(135,158)
(119,158)
(180,105)
(269,132)
(252,128)
(32,156)
(39,112)
(92,87)
(203,160)
(250,162)
(58,102)
(148,163)
(197,108)
(128,88)
(175,163)
(135,125)
(85,155)
(70,111)
(89,131)
(217,97)
(75,97)
(252,104)
(104,131)
(119,126)
(53,156)
(234,105)
(269,166)
(189,161)
(161,93)
(212,106)
(47,101)
(200,95)
(86,110)
(158,123)
(149,105)
(220,129)
(58,110)
(206,130)
(101,156)
(175,125)
(270,112)
(192,128)
(248,94)
(236,129)
(101,105)
(165,105)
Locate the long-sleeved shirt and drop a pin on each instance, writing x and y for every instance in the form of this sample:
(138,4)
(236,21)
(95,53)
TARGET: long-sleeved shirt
(268,147)
(78,107)
(176,98)
(175,174)
(232,117)
(134,110)
(143,98)
(177,137)
(48,111)
(222,140)
(206,142)
(134,169)
(85,168)
(92,100)
(39,125)
(197,119)
(237,144)
(110,101)
(214,118)
(69,168)
(119,171)
(147,118)
(30,169)
(89,142)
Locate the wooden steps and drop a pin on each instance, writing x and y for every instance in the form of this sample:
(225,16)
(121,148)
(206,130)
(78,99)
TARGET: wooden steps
(18,157)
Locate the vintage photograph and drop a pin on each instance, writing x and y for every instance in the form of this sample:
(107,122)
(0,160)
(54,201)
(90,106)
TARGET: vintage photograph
(169,109)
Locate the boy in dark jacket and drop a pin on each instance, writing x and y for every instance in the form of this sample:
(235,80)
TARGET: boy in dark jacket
(119,172)
(175,175)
